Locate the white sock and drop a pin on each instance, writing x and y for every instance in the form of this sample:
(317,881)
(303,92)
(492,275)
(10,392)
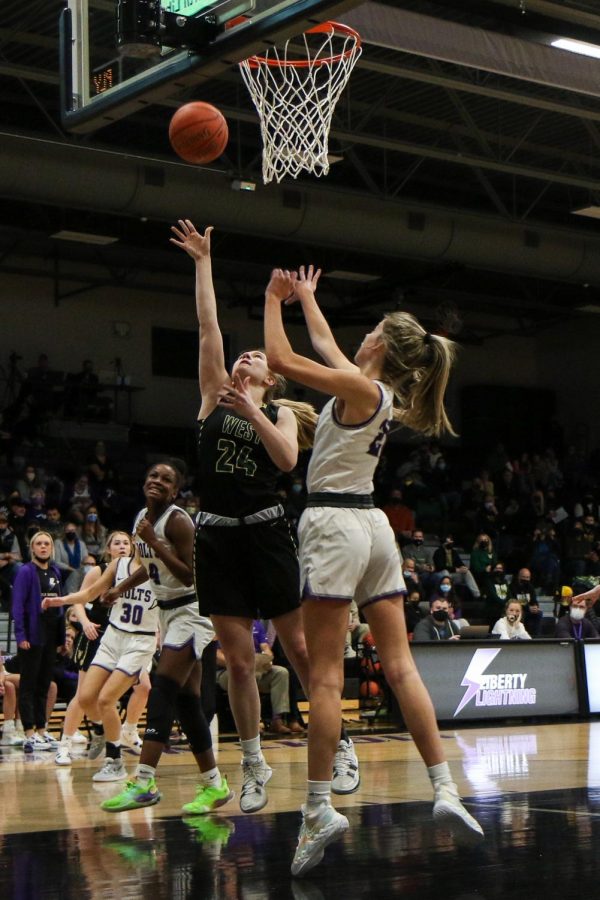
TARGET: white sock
(440,775)
(251,747)
(318,796)
(144,773)
(212,777)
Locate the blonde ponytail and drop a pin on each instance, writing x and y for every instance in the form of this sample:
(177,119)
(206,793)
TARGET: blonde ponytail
(306,418)
(417,367)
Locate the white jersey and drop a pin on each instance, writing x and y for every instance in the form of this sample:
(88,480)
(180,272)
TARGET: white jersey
(136,611)
(344,457)
(164,584)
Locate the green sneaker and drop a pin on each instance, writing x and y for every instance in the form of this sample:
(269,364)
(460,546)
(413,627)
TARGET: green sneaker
(134,796)
(208,798)
(211,829)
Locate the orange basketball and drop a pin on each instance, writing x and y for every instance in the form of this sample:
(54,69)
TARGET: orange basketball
(198,132)
(369,689)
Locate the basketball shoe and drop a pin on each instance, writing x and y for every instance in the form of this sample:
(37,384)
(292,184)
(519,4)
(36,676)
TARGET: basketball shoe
(316,833)
(208,798)
(255,773)
(448,812)
(112,770)
(135,795)
(346,774)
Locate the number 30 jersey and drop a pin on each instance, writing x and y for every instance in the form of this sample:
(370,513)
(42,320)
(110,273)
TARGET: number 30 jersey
(136,611)
(345,457)
(165,586)
(236,474)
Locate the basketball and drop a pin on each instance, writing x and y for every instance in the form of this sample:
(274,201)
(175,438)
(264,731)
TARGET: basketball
(369,689)
(198,133)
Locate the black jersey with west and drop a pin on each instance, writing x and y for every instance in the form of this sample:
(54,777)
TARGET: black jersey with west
(237,477)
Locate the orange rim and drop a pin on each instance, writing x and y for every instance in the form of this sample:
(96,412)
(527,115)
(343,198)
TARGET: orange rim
(325,27)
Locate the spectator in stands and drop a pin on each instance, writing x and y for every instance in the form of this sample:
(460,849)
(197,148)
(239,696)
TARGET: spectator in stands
(412,612)
(37,508)
(12,733)
(69,554)
(576,551)
(447,561)
(510,627)
(496,595)
(522,589)
(576,624)
(483,559)
(401,516)
(79,498)
(421,555)
(356,632)
(28,482)
(437,626)
(545,559)
(93,533)
(54,523)
(487,516)
(592,565)
(11,559)
(17,519)
(271,679)
(411,577)
(455,615)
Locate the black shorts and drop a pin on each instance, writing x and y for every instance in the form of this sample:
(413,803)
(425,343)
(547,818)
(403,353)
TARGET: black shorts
(246,570)
(84,650)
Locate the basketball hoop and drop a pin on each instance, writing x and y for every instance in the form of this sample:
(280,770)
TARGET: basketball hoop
(295,90)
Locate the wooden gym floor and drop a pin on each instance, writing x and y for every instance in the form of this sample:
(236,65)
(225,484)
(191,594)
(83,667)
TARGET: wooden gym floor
(534,788)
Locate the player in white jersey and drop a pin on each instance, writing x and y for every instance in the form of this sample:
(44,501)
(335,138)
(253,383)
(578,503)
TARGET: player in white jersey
(347,547)
(164,537)
(125,651)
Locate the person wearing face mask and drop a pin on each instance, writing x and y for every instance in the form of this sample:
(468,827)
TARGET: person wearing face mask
(10,559)
(69,555)
(422,557)
(483,559)
(510,627)
(438,626)
(575,624)
(411,578)
(93,533)
(522,589)
(401,517)
(497,594)
(447,561)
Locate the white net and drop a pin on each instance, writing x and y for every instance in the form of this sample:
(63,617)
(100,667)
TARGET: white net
(295,90)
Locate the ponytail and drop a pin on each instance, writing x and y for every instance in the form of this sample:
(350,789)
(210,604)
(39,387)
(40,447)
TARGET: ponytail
(306,415)
(417,367)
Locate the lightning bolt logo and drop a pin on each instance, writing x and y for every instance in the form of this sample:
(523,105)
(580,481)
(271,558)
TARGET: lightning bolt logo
(472,680)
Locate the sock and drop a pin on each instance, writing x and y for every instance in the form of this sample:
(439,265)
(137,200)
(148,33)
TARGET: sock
(318,796)
(211,778)
(440,775)
(251,747)
(129,726)
(98,728)
(144,773)
(113,749)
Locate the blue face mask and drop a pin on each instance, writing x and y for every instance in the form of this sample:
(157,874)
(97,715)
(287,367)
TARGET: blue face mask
(445,588)
(407,574)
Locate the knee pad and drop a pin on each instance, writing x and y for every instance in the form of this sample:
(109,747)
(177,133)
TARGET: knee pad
(161,709)
(193,722)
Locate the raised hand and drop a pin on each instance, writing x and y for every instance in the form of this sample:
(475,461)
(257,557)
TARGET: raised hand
(305,285)
(145,530)
(238,397)
(91,630)
(195,244)
(282,284)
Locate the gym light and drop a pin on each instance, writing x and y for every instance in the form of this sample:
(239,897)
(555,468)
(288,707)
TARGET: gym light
(580,47)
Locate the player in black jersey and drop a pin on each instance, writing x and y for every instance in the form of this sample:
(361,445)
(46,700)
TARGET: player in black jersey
(245,561)
(93,619)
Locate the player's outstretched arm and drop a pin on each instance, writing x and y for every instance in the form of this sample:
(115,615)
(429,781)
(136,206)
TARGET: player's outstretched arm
(211,362)
(85,595)
(321,335)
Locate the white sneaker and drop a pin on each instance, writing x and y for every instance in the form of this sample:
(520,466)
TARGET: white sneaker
(349,652)
(256,773)
(315,836)
(78,738)
(36,743)
(97,746)
(130,738)
(346,774)
(449,812)
(112,770)
(52,742)
(63,757)
(10,736)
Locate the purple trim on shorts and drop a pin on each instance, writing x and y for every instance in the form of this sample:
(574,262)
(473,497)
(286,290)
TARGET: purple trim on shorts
(178,647)
(129,674)
(398,593)
(307,594)
(358,424)
(100,666)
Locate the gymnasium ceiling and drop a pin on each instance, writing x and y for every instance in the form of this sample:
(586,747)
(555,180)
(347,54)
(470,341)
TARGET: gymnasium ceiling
(454,144)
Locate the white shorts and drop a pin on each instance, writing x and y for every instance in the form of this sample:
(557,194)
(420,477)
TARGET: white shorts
(348,554)
(126,651)
(185,625)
